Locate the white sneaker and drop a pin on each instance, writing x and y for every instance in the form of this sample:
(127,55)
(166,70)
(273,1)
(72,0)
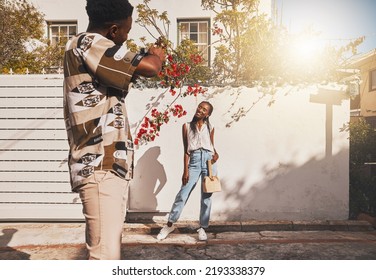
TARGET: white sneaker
(202,235)
(166,230)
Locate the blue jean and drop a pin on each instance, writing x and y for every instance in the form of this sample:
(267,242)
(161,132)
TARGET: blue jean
(197,167)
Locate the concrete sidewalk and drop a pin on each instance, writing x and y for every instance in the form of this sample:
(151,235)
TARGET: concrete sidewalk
(226,240)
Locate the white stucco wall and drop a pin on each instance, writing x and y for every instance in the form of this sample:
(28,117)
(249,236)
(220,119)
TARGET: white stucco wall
(73,10)
(285,161)
(289,160)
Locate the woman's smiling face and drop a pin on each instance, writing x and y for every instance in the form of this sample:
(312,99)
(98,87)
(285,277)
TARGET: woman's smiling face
(203,110)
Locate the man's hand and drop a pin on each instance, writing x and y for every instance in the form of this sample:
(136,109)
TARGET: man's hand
(152,63)
(160,52)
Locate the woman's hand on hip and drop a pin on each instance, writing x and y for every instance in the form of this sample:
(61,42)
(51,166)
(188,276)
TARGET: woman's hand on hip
(214,158)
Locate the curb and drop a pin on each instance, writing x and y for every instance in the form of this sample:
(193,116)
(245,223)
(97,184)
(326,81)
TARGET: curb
(256,226)
(55,234)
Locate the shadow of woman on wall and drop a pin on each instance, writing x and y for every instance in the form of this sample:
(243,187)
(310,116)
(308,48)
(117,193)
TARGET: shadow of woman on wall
(7,252)
(149,179)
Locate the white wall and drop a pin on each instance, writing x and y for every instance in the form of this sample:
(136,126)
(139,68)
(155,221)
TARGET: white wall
(176,9)
(55,10)
(285,161)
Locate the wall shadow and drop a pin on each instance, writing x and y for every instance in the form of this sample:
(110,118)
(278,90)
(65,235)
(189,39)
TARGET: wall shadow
(7,252)
(329,98)
(283,192)
(149,179)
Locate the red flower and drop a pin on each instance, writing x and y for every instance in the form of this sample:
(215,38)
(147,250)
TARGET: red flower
(217,31)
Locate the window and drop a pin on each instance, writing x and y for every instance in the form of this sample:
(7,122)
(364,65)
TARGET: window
(372,80)
(61,32)
(198,32)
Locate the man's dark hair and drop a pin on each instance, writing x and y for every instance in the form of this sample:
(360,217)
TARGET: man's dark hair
(101,12)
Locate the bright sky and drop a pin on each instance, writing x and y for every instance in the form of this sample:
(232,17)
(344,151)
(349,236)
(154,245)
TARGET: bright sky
(336,19)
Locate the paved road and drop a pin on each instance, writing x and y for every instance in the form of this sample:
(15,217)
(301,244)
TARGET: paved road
(263,245)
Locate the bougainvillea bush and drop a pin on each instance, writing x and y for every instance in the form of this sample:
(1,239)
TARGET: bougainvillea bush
(182,75)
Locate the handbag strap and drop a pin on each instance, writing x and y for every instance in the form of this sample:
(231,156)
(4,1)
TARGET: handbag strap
(210,172)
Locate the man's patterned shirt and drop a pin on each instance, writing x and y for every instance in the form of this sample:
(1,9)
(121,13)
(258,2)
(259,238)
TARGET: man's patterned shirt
(97,75)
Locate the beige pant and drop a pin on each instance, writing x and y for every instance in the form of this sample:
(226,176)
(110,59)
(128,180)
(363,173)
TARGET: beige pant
(104,201)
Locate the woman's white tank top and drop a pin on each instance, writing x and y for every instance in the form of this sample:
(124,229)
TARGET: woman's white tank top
(200,139)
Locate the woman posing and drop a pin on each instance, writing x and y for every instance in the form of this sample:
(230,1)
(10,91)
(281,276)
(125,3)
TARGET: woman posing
(198,140)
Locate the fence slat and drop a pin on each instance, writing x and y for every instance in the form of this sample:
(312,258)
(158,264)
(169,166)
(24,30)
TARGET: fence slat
(37,81)
(34,187)
(51,198)
(31,113)
(33,134)
(31,92)
(33,145)
(32,124)
(33,155)
(27,102)
(42,166)
(39,176)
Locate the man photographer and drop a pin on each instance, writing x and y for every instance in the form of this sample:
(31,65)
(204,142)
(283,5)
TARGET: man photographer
(98,69)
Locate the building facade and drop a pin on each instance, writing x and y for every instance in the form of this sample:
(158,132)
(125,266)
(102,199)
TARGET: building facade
(188,20)
(365,102)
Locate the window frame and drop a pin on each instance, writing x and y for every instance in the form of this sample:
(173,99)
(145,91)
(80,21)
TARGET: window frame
(208,37)
(61,24)
(372,80)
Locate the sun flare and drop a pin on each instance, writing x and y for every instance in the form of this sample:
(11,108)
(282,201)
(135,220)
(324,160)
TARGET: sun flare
(304,49)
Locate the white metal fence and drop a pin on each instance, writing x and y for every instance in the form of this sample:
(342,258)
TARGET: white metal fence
(34,180)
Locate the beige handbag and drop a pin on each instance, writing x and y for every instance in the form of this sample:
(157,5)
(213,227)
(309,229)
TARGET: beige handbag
(211,183)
